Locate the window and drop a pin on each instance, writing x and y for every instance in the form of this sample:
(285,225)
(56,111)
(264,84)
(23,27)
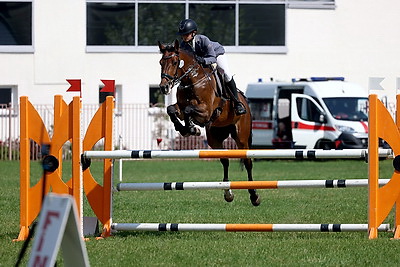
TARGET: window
(348,108)
(110,24)
(5,97)
(103,95)
(137,25)
(261,109)
(8,99)
(16,26)
(117,96)
(307,110)
(257,28)
(157,22)
(217,21)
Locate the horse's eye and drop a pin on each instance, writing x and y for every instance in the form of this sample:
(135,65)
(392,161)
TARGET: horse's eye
(175,63)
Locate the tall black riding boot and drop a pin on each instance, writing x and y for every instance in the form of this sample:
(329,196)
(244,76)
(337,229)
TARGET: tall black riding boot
(239,108)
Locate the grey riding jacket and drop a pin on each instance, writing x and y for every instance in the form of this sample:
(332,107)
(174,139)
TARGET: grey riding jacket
(205,48)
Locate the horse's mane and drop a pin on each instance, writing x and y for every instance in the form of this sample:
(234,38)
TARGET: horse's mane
(187,52)
(170,47)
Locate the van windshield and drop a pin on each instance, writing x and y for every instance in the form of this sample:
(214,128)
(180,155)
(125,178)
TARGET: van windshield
(348,108)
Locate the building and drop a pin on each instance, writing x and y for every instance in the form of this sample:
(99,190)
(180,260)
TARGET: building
(45,42)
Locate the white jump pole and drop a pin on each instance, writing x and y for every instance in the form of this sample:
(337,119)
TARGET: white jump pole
(247,185)
(237,153)
(245,227)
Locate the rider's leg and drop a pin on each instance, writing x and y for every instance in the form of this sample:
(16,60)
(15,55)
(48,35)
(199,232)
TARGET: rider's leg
(239,108)
(230,84)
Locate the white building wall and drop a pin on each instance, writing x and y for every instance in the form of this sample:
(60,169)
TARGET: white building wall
(357,40)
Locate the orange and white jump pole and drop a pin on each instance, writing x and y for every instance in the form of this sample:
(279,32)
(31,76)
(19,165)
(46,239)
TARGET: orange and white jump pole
(185,227)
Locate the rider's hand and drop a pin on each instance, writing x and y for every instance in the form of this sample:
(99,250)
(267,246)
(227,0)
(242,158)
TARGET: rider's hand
(200,60)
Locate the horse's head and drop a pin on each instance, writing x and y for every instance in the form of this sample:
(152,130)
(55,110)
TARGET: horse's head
(169,65)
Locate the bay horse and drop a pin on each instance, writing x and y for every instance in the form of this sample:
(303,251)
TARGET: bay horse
(199,103)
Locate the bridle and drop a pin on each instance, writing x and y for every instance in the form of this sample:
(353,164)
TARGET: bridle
(173,80)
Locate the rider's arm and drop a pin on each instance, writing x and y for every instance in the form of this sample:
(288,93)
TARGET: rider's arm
(208,50)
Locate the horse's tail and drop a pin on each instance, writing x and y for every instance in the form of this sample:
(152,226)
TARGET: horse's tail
(250,140)
(251,132)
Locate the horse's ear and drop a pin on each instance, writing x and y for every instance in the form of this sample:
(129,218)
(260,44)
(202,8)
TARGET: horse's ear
(160,45)
(176,44)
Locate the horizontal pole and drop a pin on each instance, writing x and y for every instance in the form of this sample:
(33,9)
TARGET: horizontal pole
(237,153)
(245,227)
(247,185)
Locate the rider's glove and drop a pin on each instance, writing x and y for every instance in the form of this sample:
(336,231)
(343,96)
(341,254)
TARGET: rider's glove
(200,60)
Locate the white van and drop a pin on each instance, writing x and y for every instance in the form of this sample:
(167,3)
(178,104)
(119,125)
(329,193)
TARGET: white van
(318,112)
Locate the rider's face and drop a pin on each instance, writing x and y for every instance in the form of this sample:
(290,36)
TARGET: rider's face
(188,37)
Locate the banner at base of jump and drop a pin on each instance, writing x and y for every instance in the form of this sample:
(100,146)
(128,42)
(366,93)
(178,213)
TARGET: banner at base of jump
(58,225)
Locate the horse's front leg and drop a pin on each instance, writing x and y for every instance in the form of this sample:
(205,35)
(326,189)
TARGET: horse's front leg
(174,114)
(189,124)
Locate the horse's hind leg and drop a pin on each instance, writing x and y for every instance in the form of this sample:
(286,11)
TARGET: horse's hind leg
(243,141)
(228,194)
(254,197)
(215,137)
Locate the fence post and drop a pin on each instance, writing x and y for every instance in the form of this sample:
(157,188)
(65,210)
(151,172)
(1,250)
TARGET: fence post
(9,132)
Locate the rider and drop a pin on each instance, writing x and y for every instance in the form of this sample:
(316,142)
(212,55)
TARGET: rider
(208,52)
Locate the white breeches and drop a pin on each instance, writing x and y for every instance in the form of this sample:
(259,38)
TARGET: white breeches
(222,62)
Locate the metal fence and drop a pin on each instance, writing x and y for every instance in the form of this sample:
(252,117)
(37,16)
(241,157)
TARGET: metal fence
(136,126)
(9,133)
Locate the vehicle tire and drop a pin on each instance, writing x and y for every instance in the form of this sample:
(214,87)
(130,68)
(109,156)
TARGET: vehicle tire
(325,145)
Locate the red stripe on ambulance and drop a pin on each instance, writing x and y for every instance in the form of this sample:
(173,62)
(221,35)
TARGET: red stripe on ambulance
(303,126)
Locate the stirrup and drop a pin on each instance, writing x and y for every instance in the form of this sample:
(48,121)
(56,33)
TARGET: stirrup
(239,109)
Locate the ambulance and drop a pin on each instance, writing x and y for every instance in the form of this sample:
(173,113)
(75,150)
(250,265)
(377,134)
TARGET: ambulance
(316,112)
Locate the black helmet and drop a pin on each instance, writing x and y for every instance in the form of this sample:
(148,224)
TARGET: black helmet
(187,26)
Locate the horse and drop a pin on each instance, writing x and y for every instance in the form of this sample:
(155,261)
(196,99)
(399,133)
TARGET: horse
(200,104)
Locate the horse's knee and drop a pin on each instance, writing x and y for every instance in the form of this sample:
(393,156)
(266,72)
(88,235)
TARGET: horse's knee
(171,110)
(187,111)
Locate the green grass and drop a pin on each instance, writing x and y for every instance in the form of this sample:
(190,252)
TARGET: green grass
(220,248)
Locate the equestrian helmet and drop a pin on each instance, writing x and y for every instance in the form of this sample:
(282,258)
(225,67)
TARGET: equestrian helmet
(187,26)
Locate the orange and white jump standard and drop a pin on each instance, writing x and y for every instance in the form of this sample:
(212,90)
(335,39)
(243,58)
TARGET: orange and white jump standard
(382,199)
(66,127)
(67,123)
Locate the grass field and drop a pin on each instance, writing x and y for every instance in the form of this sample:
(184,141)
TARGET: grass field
(220,248)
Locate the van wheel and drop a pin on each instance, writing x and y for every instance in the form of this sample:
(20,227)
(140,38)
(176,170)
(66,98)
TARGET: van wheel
(325,145)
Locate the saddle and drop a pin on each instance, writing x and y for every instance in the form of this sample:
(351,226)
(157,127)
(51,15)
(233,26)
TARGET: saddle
(219,78)
(220,91)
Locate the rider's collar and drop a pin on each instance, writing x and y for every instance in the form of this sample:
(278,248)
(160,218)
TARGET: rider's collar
(194,41)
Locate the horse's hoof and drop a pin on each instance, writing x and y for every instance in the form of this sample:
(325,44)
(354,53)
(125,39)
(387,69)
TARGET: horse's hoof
(228,196)
(194,131)
(198,132)
(184,132)
(255,200)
